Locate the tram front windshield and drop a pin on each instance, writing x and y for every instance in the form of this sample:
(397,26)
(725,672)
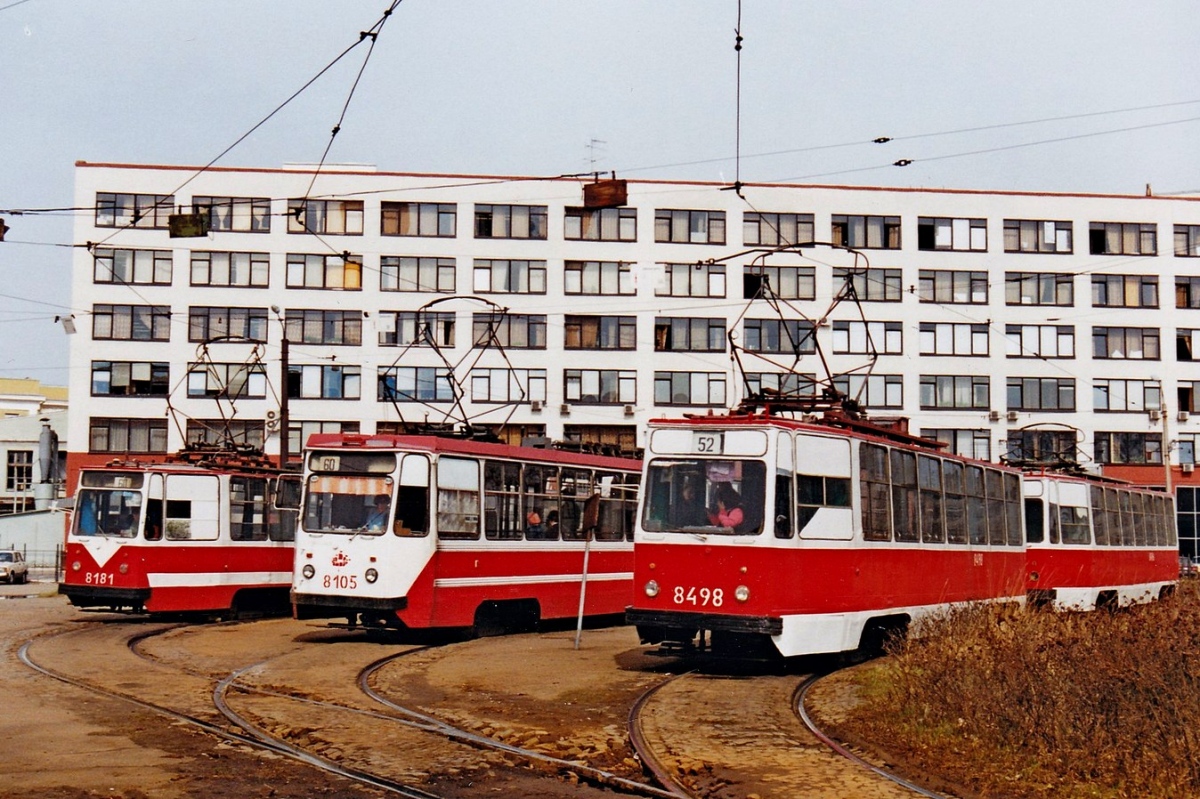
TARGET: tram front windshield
(704,496)
(107,512)
(348,504)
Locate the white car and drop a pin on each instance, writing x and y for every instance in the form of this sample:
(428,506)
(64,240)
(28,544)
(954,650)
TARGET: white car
(13,568)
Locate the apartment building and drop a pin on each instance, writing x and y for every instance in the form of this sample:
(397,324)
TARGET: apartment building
(1003,323)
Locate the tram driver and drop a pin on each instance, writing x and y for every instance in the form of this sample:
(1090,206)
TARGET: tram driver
(376,521)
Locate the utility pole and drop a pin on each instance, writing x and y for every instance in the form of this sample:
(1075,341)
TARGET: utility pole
(283,390)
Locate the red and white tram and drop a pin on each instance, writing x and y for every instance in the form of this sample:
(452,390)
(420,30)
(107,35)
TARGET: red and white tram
(417,531)
(1095,543)
(200,533)
(847,533)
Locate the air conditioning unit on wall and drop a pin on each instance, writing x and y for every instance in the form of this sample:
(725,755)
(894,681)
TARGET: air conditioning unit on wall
(1187,468)
(1013,416)
(1154,415)
(993,416)
(1182,416)
(535,405)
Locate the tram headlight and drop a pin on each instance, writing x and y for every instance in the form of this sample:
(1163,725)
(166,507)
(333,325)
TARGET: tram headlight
(76,565)
(123,568)
(741,593)
(308,571)
(652,588)
(371,575)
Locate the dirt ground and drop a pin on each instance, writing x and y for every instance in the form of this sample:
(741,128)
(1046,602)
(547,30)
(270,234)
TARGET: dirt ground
(59,743)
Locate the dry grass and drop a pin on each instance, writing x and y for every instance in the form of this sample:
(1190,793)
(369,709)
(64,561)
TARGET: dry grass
(1025,703)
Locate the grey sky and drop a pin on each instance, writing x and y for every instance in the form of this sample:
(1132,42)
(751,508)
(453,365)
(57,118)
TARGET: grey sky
(522,87)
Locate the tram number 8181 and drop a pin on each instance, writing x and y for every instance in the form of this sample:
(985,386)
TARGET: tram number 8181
(699,597)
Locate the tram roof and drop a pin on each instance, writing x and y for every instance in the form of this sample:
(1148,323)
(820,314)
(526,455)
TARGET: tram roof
(460,446)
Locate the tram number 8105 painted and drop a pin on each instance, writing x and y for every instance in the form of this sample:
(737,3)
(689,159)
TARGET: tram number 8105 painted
(343,581)
(700,597)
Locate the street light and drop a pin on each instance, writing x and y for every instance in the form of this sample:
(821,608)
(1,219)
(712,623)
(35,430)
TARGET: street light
(284,432)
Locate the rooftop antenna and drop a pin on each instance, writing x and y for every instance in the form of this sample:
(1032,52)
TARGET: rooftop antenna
(592,146)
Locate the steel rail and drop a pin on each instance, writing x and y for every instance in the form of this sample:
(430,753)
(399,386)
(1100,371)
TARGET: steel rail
(645,753)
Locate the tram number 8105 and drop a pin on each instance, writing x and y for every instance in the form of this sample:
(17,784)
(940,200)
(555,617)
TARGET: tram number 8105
(342,581)
(699,597)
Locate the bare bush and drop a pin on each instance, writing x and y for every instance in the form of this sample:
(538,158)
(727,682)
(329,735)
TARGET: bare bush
(1019,702)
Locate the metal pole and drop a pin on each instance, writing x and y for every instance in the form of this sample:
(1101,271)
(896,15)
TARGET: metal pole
(587,545)
(283,401)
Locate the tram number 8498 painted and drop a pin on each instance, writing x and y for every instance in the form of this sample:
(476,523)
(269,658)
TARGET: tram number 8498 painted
(699,597)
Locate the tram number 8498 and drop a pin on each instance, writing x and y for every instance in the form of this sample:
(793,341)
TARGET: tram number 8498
(699,597)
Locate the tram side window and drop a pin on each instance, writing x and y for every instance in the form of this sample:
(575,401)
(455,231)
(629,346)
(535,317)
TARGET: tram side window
(814,491)
(154,519)
(876,488)
(929,476)
(905,524)
(247,508)
(542,514)
(783,506)
(503,519)
(1099,517)
(995,508)
(613,500)
(956,503)
(458,498)
(1035,528)
(575,486)
(1169,522)
(1074,524)
(412,497)
(1129,534)
(977,530)
(1141,525)
(1012,506)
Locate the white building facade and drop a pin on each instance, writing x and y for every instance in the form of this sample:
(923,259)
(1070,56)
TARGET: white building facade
(1001,321)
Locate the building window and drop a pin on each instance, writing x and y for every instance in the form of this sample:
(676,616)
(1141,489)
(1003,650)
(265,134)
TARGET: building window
(692,280)
(1037,235)
(872,391)
(870,285)
(402,273)
(960,235)
(510,221)
(227,380)
(1187,241)
(1043,446)
(868,338)
(416,328)
(133,436)
(324,327)
(132,267)
(600,332)
(689,227)
(1187,344)
(513,331)
(235,214)
(1040,341)
(1124,291)
(509,277)
(787,385)
(215,324)
(791,336)
(300,431)
(19,474)
(1041,394)
(600,224)
(1119,447)
(232,269)
(324,271)
(598,277)
(785,282)
(774,230)
(1129,343)
(689,334)
(325,217)
(952,287)
(1038,288)
(131,322)
(1188,396)
(1126,395)
(337,381)
(967,443)
(419,219)
(955,392)
(1123,238)
(1187,292)
(130,379)
(689,388)
(952,338)
(414,384)
(134,210)
(1187,454)
(866,232)
(508,385)
(600,386)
